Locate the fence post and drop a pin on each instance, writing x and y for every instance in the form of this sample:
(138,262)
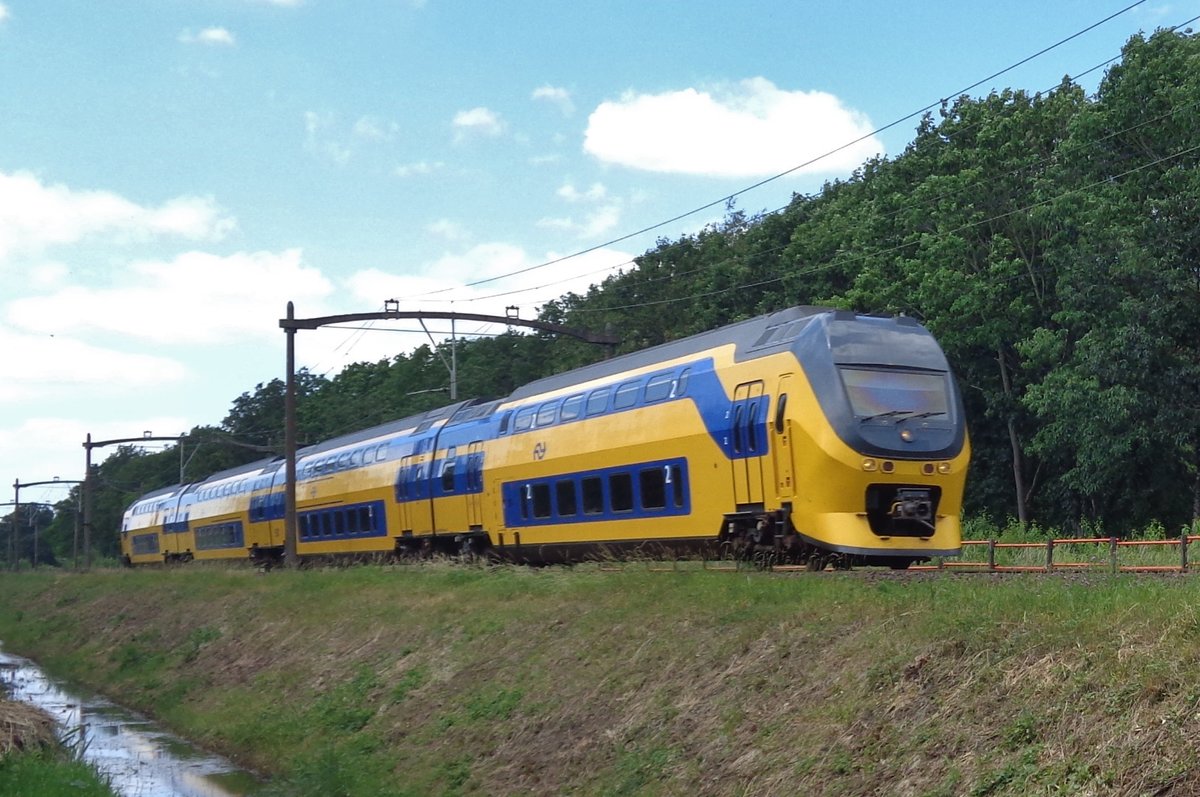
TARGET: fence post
(991,555)
(1112,554)
(1183,552)
(1049,554)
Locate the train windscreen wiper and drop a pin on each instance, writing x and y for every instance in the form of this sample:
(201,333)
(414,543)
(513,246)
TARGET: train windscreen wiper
(888,414)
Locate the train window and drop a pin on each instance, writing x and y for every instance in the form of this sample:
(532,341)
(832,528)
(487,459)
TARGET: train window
(304,532)
(737,429)
(625,396)
(339,523)
(366,519)
(526,497)
(504,422)
(326,525)
(593,495)
(675,479)
(681,383)
(546,413)
(779,409)
(541,500)
(597,401)
(751,424)
(564,494)
(620,486)
(874,393)
(448,476)
(523,420)
(571,408)
(659,387)
(654,488)
(475,472)
(352,521)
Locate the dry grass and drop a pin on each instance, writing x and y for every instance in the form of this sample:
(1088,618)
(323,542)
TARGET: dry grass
(24,728)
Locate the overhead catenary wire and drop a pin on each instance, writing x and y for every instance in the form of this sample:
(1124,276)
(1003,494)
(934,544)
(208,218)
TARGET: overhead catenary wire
(897,247)
(358,334)
(1040,162)
(730,197)
(956,133)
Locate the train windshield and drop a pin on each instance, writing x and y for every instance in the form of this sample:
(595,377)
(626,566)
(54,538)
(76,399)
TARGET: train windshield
(877,393)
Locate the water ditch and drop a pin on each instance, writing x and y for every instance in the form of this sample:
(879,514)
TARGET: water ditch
(138,758)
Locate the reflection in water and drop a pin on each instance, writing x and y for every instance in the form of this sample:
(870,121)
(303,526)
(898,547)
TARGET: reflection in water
(139,759)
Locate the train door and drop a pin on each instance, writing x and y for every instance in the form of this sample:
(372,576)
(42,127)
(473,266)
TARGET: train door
(780,433)
(475,485)
(276,508)
(413,495)
(748,443)
(403,490)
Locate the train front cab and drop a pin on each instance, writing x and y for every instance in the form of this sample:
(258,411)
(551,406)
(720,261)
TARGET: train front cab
(142,527)
(874,435)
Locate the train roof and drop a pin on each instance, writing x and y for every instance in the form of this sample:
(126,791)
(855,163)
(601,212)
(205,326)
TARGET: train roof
(778,328)
(418,422)
(161,492)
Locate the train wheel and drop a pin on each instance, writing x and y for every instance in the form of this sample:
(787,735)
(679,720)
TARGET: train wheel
(816,563)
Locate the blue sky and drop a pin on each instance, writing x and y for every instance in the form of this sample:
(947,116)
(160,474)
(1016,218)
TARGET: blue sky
(172,172)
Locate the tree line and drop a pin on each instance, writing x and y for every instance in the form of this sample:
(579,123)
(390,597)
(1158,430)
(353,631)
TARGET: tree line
(1050,241)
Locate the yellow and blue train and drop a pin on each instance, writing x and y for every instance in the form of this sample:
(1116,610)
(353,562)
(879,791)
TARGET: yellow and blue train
(808,435)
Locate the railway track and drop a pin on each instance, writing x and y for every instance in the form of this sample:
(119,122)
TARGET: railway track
(1062,555)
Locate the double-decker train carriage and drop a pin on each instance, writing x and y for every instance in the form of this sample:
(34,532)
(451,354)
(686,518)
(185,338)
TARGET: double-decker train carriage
(808,435)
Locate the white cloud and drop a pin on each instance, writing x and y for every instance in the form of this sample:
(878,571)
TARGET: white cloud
(213,37)
(52,447)
(749,129)
(196,298)
(557,96)
(448,229)
(570,193)
(420,167)
(594,224)
(35,215)
(477,121)
(371,129)
(46,276)
(43,364)
(319,139)
(438,286)
(4,12)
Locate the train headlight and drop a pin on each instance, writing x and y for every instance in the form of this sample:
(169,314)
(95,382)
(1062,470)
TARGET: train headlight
(907,436)
(870,465)
(943,467)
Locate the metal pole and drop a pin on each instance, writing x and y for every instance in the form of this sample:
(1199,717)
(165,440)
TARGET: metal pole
(289,445)
(87,505)
(75,541)
(16,524)
(453,363)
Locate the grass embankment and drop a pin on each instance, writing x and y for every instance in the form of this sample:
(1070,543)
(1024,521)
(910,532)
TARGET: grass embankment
(33,764)
(450,680)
